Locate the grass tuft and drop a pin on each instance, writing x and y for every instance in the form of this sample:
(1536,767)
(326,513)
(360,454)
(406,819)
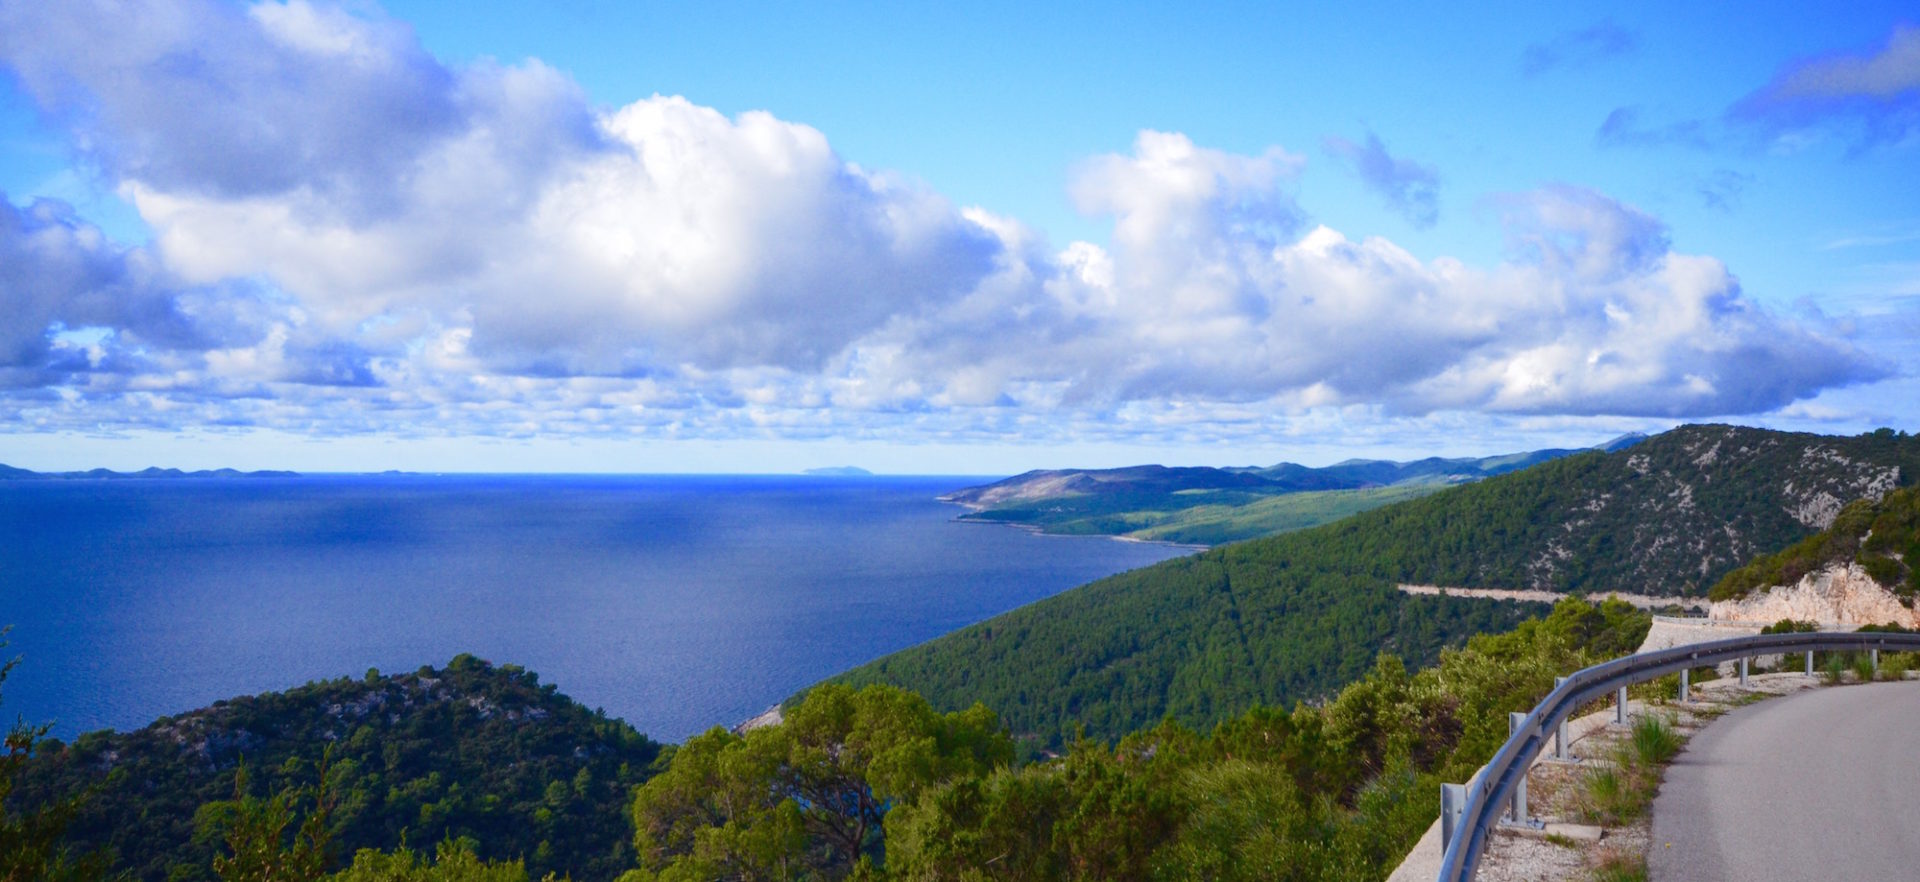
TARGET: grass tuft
(1616,865)
(1655,741)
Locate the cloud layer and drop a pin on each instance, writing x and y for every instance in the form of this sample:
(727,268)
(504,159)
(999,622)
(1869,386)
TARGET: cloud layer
(351,236)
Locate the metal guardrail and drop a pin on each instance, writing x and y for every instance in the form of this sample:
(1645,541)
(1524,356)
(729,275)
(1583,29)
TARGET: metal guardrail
(1481,802)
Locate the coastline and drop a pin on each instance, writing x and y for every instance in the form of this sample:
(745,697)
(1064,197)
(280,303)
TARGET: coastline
(1037,530)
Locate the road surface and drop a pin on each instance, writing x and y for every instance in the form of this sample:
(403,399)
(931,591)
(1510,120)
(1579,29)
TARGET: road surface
(1821,784)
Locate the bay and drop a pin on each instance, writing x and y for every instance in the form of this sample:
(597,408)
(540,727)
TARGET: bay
(674,602)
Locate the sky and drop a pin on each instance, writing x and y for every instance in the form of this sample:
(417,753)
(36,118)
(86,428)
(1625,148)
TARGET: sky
(760,237)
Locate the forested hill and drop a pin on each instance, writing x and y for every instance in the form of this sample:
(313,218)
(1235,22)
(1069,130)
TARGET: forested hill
(1668,516)
(1298,615)
(471,750)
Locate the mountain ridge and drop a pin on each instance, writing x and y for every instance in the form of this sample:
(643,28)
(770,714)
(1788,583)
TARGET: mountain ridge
(1203,505)
(1295,616)
(12,473)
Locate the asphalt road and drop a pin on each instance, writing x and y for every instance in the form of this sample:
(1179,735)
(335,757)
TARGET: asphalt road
(1822,784)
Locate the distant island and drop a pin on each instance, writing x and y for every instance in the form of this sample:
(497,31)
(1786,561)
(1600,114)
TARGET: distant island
(839,472)
(9,473)
(1211,506)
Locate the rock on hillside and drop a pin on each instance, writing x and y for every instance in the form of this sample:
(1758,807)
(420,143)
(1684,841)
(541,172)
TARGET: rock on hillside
(1688,505)
(1839,594)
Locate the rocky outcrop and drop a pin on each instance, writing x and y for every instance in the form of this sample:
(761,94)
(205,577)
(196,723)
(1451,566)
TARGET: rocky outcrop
(1837,595)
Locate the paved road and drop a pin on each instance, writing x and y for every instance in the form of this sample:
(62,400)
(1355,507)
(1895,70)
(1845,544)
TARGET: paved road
(1822,784)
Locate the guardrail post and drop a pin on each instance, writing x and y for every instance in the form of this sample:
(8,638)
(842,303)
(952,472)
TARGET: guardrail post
(1743,672)
(1519,815)
(1560,732)
(1809,662)
(1620,706)
(1453,801)
(1685,674)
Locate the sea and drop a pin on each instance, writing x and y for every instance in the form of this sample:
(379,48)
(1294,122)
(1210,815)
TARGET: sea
(674,602)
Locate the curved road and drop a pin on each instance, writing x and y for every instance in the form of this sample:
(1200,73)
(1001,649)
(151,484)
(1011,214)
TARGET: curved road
(1821,784)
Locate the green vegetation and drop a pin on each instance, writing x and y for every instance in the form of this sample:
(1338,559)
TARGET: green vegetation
(1296,616)
(1882,537)
(1622,790)
(289,837)
(805,798)
(1197,517)
(454,860)
(1207,506)
(33,844)
(1196,640)
(469,751)
(1621,865)
(868,784)
(1335,791)
(1220,524)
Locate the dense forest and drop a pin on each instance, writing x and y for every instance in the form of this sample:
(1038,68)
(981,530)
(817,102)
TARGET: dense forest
(869,784)
(1297,616)
(874,784)
(1882,537)
(471,750)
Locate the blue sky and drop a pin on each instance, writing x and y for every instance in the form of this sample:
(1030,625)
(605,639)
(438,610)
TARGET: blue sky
(763,237)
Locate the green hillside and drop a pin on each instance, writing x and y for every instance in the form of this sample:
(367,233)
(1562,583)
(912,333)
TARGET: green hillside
(1220,524)
(1882,537)
(1298,615)
(1197,517)
(472,750)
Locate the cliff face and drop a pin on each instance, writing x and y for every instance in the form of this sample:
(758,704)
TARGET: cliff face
(1837,595)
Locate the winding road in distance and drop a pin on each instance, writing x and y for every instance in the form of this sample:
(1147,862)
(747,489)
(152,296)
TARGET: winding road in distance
(1821,784)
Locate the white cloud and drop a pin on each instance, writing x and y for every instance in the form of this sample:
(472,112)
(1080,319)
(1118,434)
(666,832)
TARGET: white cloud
(353,237)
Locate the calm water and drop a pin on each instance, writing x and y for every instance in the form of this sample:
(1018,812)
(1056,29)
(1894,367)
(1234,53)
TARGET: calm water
(673,602)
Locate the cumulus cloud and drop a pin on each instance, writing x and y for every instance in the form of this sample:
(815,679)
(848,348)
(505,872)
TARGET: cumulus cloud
(1410,188)
(351,236)
(1593,313)
(1877,94)
(1577,48)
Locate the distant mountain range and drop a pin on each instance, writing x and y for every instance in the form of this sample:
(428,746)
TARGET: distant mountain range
(12,473)
(9,473)
(1209,506)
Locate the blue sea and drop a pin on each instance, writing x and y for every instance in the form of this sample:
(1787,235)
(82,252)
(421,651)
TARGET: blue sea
(676,603)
